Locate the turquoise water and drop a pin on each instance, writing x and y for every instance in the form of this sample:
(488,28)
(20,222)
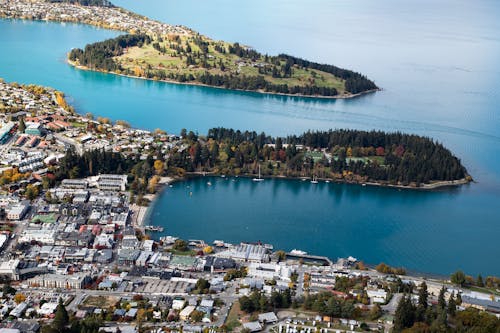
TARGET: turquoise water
(436,61)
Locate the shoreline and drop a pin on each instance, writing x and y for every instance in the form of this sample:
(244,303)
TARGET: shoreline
(424,187)
(198,84)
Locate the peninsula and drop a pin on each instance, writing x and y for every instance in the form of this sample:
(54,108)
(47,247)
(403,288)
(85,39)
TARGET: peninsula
(158,51)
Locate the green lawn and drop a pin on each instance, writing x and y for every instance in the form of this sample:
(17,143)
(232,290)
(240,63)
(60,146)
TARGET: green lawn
(142,59)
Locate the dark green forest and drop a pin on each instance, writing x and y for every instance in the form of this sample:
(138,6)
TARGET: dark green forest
(344,155)
(100,55)
(347,155)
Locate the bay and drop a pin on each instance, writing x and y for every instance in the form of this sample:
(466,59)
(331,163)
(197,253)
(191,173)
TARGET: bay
(437,62)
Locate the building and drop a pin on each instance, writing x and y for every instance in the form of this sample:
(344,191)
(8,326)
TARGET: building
(268,318)
(75,183)
(75,281)
(112,182)
(9,268)
(253,326)
(248,253)
(17,212)
(377,296)
(186,312)
(44,236)
(270,271)
(34,129)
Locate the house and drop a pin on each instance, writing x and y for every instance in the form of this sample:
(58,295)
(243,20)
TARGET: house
(253,326)
(186,312)
(268,318)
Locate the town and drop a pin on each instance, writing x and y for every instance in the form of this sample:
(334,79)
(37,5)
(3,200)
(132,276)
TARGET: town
(108,17)
(77,243)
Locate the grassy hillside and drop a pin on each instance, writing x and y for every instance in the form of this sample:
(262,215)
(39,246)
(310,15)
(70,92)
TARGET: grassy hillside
(197,59)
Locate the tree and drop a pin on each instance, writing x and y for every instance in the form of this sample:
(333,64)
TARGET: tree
(479,281)
(202,286)
(423,296)
(281,255)
(375,312)
(159,166)
(31,192)
(19,298)
(452,305)
(22,125)
(405,314)
(180,245)
(441,300)
(196,316)
(458,278)
(61,317)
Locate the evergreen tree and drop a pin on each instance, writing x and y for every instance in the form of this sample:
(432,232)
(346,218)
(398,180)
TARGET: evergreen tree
(441,300)
(22,125)
(479,281)
(452,305)
(423,296)
(405,314)
(61,317)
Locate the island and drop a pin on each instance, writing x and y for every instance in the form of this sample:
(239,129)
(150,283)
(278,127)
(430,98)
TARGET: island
(157,51)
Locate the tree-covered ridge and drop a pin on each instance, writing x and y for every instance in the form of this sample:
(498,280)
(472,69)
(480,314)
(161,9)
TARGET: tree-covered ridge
(99,3)
(346,155)
(199,60)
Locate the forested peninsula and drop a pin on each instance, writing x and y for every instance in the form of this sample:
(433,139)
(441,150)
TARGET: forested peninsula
(351,156)
(197,59)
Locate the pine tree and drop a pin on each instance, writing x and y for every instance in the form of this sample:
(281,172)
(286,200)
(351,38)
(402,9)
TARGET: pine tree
(452,305)
(61,317)
(22,125)
(479,281)
(441,300)
(405,314)
(422,302)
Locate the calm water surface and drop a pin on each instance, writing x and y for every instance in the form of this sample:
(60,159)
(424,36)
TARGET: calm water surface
(438,65)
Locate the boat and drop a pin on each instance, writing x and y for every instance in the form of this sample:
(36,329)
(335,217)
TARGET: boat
(209,183)
(314,180)
(258,179)
(154,228)
(327,181)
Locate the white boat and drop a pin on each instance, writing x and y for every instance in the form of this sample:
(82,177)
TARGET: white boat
(296,252)
(209,183)
(327,181)
(314,180)
(259,179)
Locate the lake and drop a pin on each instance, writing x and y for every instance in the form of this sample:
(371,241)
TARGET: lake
(436,61)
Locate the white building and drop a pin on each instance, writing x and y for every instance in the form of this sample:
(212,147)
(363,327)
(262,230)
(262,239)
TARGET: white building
(269,271)
(17,212)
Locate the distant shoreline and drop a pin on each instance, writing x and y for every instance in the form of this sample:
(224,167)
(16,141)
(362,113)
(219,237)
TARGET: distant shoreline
(262,92)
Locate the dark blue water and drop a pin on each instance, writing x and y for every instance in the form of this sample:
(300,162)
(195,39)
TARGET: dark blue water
(438,65)
(427,231)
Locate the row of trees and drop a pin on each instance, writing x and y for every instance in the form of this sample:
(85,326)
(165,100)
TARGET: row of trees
(442,317)
(463,280)
(258,301)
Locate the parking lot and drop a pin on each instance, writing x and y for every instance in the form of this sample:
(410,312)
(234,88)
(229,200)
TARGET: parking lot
(157,286)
